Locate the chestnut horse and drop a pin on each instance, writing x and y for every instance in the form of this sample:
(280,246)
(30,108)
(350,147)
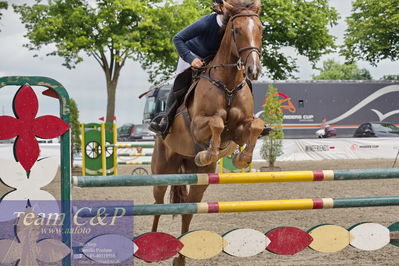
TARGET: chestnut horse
(221,111)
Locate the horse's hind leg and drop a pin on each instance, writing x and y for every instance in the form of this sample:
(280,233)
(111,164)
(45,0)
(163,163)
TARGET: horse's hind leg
(205,127)
(162,163)
(195,195)
(159,195)
(249,135)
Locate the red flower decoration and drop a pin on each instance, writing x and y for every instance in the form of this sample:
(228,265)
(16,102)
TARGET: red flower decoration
(26,127)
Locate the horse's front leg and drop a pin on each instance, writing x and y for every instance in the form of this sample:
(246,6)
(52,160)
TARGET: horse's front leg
(205,127)
(250,134)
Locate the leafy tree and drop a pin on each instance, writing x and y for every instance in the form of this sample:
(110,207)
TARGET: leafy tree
(390,77)
(373,31)
(335,71)
(302,25)
(3,5)
(273,117)
(75,129)
(75,126)
(110,31)
(159,58)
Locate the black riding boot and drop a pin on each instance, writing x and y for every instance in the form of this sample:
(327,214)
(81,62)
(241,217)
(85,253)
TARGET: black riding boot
(175,98)
(170,109)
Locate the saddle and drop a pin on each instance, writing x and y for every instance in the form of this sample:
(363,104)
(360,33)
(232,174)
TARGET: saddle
(189,78)
(182,109)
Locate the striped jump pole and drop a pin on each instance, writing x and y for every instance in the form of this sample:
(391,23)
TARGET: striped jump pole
(119,146)
(133,163)
(240,206)
(235,178)
(134,154)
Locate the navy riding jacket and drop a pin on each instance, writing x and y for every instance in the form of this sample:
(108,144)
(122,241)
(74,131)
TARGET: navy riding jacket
(202,38)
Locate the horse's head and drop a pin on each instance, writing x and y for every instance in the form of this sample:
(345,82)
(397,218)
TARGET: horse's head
(246,31)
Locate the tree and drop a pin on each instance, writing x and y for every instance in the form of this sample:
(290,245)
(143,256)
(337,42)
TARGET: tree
(302,25)
(273,117)
(390,77)
(159,57)
(3,5)
(335,71)
(110,31)
(75,129)
(373,31)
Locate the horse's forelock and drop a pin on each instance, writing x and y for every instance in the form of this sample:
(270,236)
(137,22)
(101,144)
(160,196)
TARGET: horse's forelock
(239,5)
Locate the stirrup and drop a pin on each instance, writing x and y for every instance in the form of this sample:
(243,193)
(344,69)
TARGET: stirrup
(154,127)
(157,120)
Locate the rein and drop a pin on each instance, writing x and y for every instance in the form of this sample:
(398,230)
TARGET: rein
(229,94)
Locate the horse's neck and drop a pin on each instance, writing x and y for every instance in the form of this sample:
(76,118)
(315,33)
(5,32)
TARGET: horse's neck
(230,76)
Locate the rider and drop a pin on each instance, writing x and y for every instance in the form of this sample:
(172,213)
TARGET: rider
(193,44)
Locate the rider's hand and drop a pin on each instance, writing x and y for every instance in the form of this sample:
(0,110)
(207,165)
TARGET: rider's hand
(197,63)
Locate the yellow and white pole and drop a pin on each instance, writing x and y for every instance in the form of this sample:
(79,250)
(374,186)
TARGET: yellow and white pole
(103,157)
(83,149)
(114,131)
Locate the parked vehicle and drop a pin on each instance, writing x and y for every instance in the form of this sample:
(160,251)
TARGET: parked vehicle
(141,132)
(123,132)
(376,129)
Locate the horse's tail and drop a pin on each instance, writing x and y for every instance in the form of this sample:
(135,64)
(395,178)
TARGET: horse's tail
(178,194)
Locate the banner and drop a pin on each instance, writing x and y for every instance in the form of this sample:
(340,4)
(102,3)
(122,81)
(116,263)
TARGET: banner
(335,149)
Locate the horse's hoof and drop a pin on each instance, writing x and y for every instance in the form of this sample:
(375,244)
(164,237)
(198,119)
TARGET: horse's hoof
(204,158)
(241,161)
(200,158)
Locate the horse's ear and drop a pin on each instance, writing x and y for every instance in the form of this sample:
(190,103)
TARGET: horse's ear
(257,6)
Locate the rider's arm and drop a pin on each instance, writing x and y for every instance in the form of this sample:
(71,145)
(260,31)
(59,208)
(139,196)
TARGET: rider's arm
(187,34)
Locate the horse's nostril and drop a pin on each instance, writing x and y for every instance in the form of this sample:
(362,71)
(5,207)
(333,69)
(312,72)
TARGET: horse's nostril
(250,71)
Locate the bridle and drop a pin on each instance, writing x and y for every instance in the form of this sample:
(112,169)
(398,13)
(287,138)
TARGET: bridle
(229,94)
(240,63)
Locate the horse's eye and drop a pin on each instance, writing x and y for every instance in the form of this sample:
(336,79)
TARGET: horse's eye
(236,30)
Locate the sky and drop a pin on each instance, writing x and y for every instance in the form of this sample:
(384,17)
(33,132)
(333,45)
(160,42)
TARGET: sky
(86,83)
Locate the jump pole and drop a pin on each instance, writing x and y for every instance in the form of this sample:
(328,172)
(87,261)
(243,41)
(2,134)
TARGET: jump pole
(103,158)
(236,178)
(83,148)
(119,146)
(240,206)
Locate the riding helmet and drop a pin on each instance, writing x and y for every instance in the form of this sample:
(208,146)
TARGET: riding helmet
(216,6)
